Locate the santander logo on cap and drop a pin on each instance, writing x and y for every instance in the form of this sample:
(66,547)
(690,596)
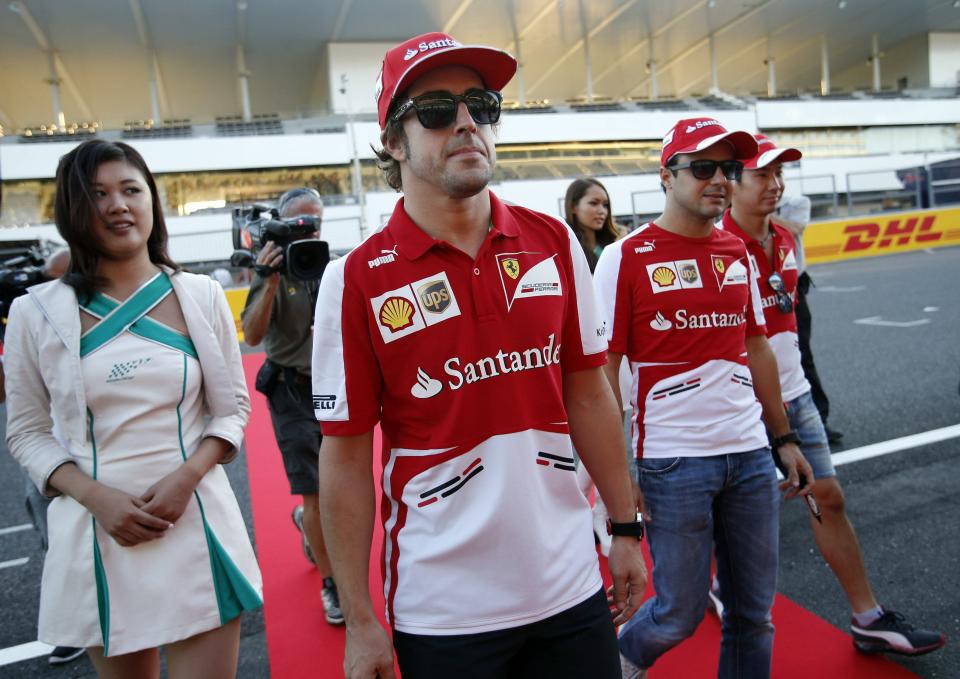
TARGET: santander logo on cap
(427,46)
(700,124)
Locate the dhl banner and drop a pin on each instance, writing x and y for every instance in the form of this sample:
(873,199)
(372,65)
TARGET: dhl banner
(881,234)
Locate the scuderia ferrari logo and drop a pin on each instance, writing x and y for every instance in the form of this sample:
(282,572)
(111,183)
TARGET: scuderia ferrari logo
(511,267)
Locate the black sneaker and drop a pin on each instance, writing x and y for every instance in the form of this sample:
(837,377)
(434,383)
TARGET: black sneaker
(297,516)
(61,655)
(891,633)
(331,602)
(833,436)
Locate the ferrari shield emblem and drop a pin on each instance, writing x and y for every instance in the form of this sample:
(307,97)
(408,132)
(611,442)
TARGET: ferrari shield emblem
(511,267)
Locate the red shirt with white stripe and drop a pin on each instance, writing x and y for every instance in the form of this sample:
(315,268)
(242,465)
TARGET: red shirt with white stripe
(680,310)
(461,361)
(781,327)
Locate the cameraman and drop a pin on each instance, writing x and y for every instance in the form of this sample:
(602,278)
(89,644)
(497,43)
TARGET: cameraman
(279,311)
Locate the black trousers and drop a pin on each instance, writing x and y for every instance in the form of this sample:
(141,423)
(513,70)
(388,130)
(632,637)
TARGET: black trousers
(579,643)
(804,332)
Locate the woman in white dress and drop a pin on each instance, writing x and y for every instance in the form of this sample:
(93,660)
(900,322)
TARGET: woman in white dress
(125,393)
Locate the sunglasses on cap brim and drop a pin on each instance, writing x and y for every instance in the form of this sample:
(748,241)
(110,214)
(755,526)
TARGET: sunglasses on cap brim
(437,110)
(706,169)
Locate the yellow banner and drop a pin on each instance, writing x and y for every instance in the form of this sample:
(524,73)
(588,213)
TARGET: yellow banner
(237,298)
(881,234)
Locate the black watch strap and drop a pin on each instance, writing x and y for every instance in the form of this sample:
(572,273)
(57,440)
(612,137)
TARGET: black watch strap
(790,437)
(632,529)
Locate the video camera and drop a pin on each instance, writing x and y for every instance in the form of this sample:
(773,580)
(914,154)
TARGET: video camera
(304,257)
(19,273)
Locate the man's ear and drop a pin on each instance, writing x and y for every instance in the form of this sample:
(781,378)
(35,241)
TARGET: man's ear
(393,145)
(666,178)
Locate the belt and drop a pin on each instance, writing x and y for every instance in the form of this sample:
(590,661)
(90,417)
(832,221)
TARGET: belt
(298,377)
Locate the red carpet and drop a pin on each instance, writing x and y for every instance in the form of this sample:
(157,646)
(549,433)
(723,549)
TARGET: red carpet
(302,645)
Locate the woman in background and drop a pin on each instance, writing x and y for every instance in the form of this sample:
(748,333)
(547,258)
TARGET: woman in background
(587,211)
(125,393)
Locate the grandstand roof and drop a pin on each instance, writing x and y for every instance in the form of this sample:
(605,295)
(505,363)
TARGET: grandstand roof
(103,50)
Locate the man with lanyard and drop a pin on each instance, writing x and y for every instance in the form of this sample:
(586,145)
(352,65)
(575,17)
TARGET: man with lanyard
(279,312)
(467,328)
(772,250)
(679,300)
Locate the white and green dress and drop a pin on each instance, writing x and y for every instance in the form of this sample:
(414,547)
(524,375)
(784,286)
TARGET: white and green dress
(145,417)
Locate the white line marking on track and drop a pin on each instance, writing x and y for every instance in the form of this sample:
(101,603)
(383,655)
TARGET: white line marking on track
(878,320)
(896,445)
(13,563)
(931,309)
(32,649)
(16,529)
(838,288)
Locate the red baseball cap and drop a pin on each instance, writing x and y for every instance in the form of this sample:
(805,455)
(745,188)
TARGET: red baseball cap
(768,153)
(410,59)
(696,134)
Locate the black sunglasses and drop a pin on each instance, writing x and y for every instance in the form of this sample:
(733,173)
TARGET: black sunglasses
(706,169)
(784,303)
(437,110)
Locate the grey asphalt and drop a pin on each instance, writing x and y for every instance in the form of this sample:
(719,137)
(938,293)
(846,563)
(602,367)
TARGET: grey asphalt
(884,382)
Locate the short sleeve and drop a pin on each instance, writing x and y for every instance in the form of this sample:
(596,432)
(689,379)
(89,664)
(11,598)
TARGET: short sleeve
(756,325)
(346,373)
(584,345)
(614,303)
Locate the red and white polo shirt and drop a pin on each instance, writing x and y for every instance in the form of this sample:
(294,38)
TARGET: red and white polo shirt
(781,327)
(461,361)
(680,309)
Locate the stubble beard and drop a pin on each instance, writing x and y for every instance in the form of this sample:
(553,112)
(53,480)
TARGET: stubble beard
(466,183)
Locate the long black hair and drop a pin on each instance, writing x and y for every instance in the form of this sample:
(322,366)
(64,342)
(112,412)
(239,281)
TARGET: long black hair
(75,211)
(607,233)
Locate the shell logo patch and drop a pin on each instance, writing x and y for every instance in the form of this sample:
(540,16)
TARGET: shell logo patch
(414,306)
(396,314)
(663,277)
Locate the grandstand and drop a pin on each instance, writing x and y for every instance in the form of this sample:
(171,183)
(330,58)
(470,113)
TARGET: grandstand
(233,112)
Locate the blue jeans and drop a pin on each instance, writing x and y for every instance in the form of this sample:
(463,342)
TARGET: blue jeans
(731,501)
(805,420)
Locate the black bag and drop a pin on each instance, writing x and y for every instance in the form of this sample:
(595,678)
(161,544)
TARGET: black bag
(267,377)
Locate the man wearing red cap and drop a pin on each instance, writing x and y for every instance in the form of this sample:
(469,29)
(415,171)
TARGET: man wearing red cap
(772,249)
(467,328)
(680,300)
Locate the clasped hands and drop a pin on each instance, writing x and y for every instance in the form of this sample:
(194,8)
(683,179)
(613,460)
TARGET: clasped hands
(132,520)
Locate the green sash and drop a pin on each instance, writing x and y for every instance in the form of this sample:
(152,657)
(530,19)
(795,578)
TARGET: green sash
(132,315)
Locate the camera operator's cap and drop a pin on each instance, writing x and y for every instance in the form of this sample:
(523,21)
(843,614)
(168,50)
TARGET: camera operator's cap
(410,59)
(769,153)
(696,134)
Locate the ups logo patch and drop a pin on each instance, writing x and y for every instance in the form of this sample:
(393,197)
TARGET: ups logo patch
(434,296)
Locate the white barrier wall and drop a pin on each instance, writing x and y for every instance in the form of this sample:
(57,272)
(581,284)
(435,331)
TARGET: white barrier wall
(944,59)
(197,154)
(779,115)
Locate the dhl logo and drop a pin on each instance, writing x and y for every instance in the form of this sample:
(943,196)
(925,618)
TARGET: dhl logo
(850,238)
(897,231)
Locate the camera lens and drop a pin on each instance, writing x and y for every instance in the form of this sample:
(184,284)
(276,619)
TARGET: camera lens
(306,259)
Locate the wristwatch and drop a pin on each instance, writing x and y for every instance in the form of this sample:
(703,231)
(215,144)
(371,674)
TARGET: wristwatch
(790,437)
(632,529)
